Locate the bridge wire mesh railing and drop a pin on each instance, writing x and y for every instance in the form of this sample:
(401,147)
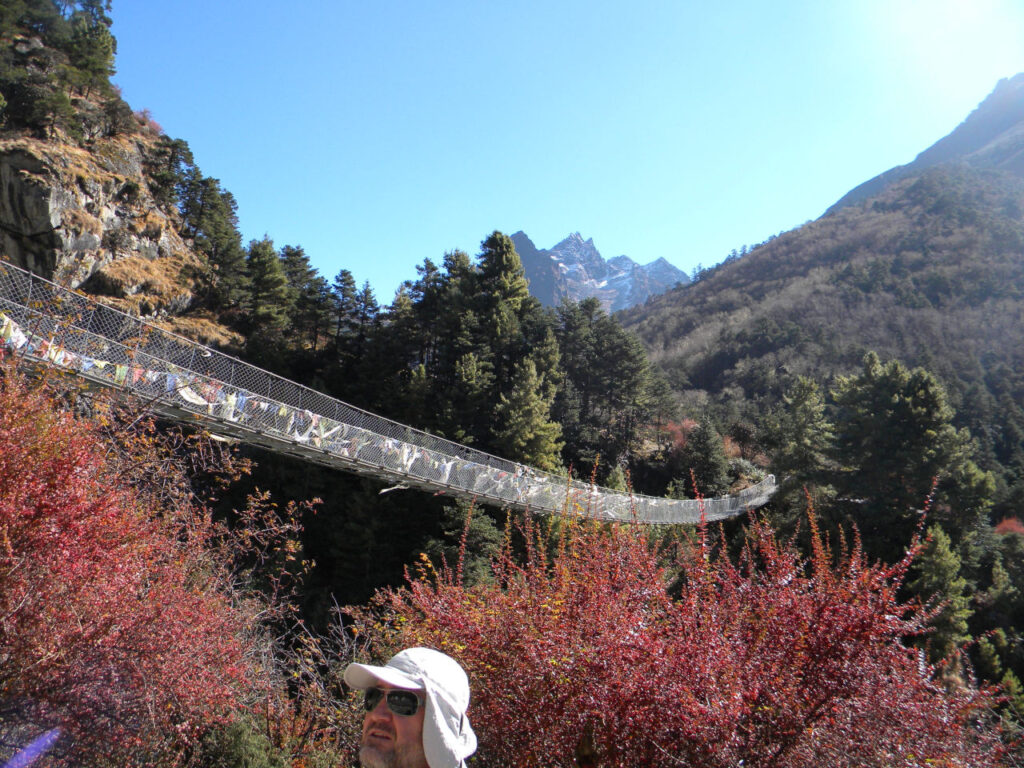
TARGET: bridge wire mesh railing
(47,323)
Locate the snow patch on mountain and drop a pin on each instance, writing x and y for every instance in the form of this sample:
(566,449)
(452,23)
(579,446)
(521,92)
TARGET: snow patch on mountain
(575,269)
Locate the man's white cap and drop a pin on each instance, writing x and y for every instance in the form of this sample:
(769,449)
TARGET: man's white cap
(448,738)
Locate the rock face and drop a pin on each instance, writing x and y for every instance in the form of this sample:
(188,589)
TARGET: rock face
(86,218)
(992,136)
(574,269)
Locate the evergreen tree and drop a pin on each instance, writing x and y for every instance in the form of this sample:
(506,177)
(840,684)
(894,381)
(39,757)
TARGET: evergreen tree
(210,217)
(92,47)
(268,297)
(936,577)
(310,301)
(625,379)
(702,460)
(527,433)
(482,542)
(391,363)
(617,479)
(1003,602)
(172,159)
(989,665)
(502,297)
(355,314)
(1013,692)
(297,270)
(367,316)
(609,392)
(76,57)
(428,294)
(459,334)
(800,435)
(800,439)
(547,357)
(997,607)
(343,311)
(894,438)
(313,310)
(38,17)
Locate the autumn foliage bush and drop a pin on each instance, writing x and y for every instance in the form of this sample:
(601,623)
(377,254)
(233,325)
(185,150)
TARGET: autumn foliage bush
(602,649)
(115,625)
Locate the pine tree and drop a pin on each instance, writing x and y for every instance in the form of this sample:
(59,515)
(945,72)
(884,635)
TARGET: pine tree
(367,316)
(429,295)
(297,269)
(482,542)
(502,296)
(313,310)
(610,392)
(800,435)
(936,577)
(894,438)
(989,665)
(343,295)
(894,432)
(310,301)
(210,217)
(172,158)
(617,479)
(92,47)
(467,413)
(703,462)
(268,297)
(527,433)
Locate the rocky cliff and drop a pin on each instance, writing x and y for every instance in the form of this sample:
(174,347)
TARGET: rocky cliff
(85,217)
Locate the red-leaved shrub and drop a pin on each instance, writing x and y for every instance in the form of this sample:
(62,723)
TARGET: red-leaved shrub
(1009,525)
(598,654)
(114,625)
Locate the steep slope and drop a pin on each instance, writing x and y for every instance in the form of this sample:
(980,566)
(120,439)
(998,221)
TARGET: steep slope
(89,191)
(930,272)
(992,136)
(924,263)
(87,218)
(541,270)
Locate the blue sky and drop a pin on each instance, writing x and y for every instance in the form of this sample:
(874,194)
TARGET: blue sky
(378,134)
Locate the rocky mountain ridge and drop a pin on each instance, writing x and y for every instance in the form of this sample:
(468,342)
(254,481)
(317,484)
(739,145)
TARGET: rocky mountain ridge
(992,136)
(574,269)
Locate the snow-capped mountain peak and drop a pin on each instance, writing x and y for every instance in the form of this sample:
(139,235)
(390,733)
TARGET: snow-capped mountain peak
(575,269)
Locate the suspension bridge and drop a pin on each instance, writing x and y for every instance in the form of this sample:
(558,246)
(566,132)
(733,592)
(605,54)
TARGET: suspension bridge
(184,381)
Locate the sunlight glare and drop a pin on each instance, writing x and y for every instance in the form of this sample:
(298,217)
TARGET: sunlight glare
(952,44)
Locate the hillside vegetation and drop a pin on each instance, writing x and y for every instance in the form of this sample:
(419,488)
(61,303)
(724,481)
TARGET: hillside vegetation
(930,273)
(874,355)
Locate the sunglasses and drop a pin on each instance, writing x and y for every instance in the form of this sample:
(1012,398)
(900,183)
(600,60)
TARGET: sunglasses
(404,703)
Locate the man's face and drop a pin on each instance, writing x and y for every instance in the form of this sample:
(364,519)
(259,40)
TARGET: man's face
(390,740)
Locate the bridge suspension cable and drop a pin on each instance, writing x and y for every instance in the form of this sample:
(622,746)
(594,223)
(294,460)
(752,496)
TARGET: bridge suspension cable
(186,381)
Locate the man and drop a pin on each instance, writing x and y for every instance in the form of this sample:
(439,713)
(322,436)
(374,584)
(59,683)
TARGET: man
(415,711)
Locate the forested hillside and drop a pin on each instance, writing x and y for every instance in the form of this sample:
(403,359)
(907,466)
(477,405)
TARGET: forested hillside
(874,355)
(930,273)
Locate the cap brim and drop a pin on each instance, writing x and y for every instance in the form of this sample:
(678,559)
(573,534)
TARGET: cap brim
(362,676)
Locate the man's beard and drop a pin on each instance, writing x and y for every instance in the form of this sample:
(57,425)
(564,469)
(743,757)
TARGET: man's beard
(404,756)
(371,757)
